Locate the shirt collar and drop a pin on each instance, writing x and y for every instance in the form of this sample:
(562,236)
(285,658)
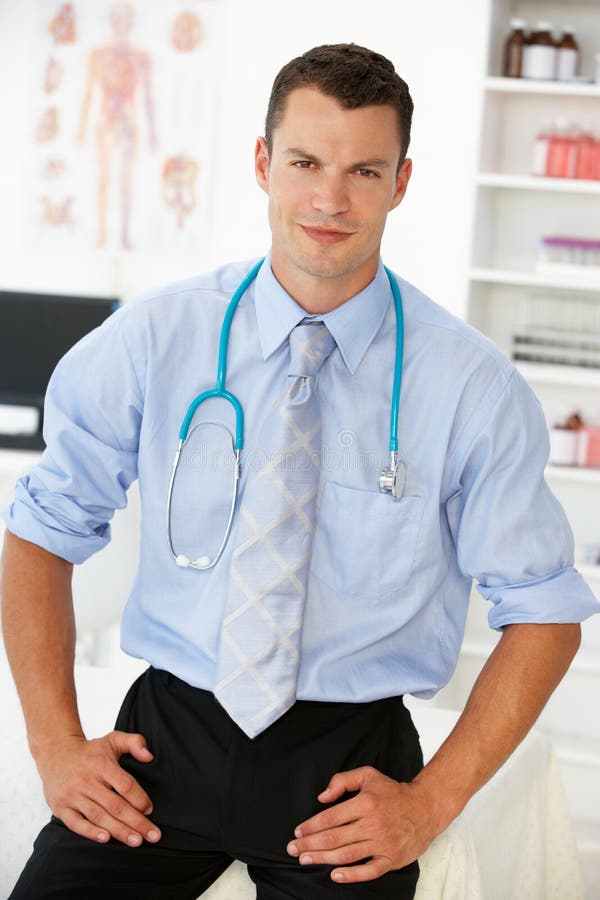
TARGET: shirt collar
(353,325)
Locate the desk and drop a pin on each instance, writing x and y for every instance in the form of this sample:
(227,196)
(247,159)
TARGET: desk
(513,841)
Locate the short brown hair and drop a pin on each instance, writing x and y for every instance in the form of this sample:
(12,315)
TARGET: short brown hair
(353,75)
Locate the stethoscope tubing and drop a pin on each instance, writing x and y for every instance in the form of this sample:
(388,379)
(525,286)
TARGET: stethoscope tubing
(219,389)
(399,360)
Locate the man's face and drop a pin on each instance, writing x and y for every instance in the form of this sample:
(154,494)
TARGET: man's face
(331,179)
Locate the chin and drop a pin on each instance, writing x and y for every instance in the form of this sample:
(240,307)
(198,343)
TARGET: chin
(322,266)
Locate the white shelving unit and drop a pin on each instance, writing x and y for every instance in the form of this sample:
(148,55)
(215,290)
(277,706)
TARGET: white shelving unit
(551,88)
(532,183)
(532,279)
(512,211)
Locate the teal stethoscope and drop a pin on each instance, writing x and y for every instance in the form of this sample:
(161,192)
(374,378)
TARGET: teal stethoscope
(391,479)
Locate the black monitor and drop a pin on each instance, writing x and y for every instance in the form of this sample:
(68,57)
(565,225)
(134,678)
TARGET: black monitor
(36,330)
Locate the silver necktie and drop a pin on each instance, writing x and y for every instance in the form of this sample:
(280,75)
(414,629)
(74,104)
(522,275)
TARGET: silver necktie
(259,651)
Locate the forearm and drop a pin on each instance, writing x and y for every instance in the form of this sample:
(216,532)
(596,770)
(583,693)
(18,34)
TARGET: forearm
(39,634)
(511,691)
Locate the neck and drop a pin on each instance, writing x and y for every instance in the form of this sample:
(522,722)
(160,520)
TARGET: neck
(318,294)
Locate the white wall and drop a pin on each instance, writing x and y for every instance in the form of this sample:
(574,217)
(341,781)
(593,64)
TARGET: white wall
(436,46)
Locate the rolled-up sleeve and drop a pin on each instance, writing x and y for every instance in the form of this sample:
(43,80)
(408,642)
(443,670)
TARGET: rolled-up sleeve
(92,417)
(510,532)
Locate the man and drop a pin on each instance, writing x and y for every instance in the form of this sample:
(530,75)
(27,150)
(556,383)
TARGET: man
(319,787)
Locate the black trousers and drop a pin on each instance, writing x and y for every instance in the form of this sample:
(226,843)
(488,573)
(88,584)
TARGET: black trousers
(219,796)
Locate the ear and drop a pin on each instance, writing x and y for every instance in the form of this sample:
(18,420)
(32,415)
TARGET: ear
(261,164)
(402,179)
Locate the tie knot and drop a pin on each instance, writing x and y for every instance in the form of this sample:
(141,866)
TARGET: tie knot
(310,345)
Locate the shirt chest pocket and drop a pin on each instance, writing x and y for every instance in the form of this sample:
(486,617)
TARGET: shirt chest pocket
(365,541)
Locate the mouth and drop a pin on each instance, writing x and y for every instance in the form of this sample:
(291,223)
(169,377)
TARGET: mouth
(326,235)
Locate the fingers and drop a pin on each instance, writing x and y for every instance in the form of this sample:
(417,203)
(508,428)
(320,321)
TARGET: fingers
(109,813)
(77,823)
(134,744)
(119,804)
(360,836)
(94,796)
(347,855)
(368,871)
(113,811)
(126,786)
(342,846)
(317,848)
(97,826)
(342,814)
(383,826)
(342,782)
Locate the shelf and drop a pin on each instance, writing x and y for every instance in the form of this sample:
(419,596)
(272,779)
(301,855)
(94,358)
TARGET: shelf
(533,183)
(572,473)
(553,88)
(571,376)
(531,279)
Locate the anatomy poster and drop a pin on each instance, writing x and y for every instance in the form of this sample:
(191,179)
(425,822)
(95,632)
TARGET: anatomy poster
(124,108)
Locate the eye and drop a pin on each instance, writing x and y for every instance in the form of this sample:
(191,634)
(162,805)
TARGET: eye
(302,164)
(367,173)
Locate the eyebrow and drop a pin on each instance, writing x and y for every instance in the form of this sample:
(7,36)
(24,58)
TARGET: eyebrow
(361,164)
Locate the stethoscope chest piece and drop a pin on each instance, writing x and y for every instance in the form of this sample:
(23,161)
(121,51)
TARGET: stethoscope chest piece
(393,479)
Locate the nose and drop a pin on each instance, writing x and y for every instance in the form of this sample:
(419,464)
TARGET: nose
(330,196)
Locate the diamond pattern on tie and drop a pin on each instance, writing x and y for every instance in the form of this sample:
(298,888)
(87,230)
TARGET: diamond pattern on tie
(259,651)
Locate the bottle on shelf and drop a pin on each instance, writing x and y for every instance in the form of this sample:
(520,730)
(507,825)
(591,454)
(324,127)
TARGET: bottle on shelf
(574,135)
(539,53)
(539,154)
(513,49)
(560,250)
(562,151)
(567,55)
(586,147)
(588,450)
(596,159)
(564,440)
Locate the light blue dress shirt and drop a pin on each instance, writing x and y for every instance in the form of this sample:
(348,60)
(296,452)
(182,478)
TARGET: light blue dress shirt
(389,581)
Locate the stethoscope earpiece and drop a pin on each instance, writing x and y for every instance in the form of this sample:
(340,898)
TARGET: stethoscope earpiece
(203,562)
